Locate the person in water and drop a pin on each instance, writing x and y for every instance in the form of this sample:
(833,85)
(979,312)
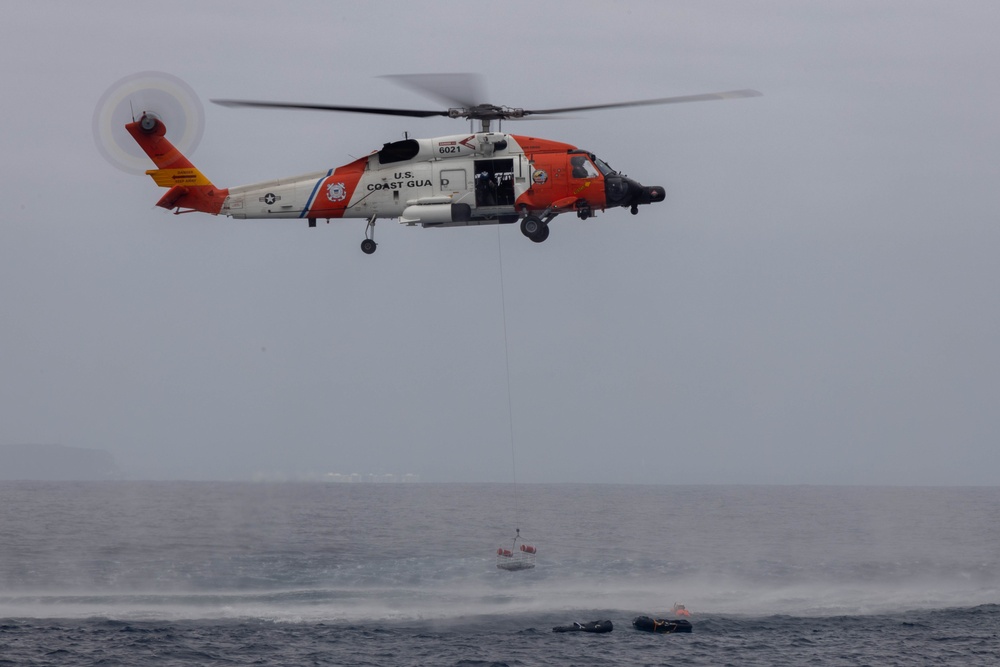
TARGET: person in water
(680,610)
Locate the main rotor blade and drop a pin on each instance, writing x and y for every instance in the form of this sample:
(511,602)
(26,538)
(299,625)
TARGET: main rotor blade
(661,100)
(462,89)
(416,113)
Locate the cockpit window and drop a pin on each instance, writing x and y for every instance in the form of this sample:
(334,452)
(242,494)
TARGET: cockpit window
(582,167)
(603,167)
(399,151)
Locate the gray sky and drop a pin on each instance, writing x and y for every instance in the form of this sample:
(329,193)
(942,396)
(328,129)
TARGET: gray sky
(815,302)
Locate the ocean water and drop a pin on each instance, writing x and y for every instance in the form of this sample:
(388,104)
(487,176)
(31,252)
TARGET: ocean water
(176,573)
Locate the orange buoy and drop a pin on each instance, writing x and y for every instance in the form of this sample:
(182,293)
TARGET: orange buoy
(528,549)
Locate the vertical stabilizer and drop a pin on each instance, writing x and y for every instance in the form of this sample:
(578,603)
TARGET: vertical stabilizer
(189,188)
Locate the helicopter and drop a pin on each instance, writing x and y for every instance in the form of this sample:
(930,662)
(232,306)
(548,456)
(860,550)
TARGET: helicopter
(480,177)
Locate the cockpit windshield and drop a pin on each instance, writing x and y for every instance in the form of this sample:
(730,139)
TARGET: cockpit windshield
(603,167)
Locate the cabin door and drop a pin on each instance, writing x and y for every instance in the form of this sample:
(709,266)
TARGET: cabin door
(453,183)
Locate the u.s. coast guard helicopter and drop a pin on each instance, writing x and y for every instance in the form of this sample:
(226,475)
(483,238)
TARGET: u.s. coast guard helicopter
(474,178)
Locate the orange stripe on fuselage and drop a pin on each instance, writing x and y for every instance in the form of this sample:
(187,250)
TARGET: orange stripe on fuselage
(334,194)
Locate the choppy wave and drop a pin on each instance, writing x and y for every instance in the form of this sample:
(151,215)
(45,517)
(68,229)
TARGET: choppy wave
(314,568)
(965,636)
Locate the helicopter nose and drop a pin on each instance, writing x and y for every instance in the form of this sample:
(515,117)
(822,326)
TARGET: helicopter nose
(623,191)
(649,194)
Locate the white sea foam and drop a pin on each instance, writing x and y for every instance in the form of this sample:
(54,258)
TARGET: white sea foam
(423,553)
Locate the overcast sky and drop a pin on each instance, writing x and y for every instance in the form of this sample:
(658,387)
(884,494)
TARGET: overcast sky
(815,302)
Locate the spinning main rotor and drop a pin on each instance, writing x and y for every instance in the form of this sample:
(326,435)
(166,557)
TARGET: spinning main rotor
(463,93)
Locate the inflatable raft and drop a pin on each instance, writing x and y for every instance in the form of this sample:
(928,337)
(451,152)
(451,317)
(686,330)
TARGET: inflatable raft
(647,624)
(593,626)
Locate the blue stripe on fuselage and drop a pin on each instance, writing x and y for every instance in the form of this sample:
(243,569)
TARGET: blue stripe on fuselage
(313,195)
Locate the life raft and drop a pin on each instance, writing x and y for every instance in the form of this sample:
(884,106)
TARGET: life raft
(666,626)
(593,626)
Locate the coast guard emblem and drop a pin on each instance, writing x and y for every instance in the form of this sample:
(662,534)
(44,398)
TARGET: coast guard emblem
(336,192)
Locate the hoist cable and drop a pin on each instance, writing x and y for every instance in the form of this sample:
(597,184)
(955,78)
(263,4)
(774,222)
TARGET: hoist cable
(506,352)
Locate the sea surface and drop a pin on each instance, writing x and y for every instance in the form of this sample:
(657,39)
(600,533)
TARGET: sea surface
(228,573)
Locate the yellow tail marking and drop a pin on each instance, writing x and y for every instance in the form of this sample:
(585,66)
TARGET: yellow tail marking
(167,178)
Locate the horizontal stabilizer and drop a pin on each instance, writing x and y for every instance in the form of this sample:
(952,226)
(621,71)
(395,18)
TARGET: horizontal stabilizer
(167,178)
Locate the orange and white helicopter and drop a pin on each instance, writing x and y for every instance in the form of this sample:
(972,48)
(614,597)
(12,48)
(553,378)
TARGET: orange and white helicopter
(475,178)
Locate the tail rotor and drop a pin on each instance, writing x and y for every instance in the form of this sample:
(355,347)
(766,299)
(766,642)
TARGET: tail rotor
(146,94)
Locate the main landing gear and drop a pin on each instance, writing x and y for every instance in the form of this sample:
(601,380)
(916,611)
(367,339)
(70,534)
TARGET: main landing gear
(535,228)
(368,246)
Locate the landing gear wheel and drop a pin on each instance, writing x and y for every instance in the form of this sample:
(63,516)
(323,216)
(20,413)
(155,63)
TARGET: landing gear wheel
(368,245)
(542,234)
(635,210)
(531,226)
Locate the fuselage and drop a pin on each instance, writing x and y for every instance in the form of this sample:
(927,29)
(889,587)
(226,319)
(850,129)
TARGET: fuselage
(462,179)
(458,180)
